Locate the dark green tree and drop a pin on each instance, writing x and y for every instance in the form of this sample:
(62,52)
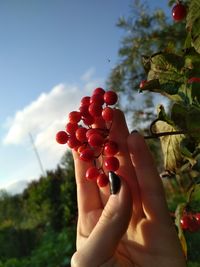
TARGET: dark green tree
(146,33)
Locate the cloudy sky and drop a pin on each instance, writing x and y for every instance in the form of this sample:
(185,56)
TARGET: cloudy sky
(52,52)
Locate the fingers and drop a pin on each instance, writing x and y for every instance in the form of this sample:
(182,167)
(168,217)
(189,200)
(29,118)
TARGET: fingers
(109,230)
(87,191)
(119,134)
(151,189)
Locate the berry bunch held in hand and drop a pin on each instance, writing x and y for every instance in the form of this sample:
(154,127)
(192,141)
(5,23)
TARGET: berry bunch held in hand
(87,132)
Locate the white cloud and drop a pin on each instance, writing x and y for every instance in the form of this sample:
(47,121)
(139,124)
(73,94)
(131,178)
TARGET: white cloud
(45,116)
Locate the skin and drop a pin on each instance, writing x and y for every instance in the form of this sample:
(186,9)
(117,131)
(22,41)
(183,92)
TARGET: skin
(132,227)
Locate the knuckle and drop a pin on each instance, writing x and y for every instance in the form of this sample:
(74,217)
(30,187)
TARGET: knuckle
(75,260)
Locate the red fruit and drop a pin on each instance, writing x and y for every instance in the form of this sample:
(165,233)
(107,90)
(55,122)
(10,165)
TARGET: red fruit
(107,114)
(95,110)
(91,131)
(87,154)
(194,225)
(88,119)
(194,80)
(185,222)
(85,101)
(111,163)
(84,110)
(102,180)
(81,148)
(92,173)
(81,134)
(99,90)
(110,97)
(95,140)
(142,84)
(111,148)
(179,12)
(62,137)
(97,99)
(73,142)
(74,117)
(71,127)
(197,216)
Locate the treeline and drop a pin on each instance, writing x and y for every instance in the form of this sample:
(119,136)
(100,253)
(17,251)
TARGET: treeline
(37,227)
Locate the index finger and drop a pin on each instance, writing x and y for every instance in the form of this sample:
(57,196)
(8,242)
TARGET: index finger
(88,197)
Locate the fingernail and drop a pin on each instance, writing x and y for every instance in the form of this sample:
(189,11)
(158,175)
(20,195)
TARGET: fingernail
(134,131)
(115,182)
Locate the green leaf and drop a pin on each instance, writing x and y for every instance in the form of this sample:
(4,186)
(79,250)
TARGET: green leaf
(162,114)
(165,74)
(195,91)
(195,34)
(187,149)
(192,61)
(193,122)
(170,145)
(193,13)
(178,115)
(193,23)
(178,214)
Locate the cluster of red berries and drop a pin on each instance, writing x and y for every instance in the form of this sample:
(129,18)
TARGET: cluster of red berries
(83,134)
(190,222)
(179,11)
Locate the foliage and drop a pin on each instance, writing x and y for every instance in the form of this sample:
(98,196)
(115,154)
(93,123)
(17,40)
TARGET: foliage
(45,233)
(170,55)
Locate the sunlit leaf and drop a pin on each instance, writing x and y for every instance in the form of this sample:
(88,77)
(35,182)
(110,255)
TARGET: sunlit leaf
(170,145)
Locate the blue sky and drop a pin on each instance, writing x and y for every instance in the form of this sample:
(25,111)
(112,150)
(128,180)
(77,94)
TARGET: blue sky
(51,53)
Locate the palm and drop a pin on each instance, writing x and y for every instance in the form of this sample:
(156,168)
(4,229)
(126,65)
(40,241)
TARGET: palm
(149,232)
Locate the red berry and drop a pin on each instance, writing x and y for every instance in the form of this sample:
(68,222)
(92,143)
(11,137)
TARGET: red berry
(179,12)
(71,127)
(92,173)
(87,154)
(95,110)
(194,225)
(95,140)
(110,97)
(97,99)
(61,137)
(111,148)
(197,216)
(85,101)
(185,222)
(194,80)
(102,180)
(74,116)
(84,110)
(81,148)
(142,84)
(81,134)
(73,142)
(91,131)
(99,90)
(111,163)
(88,119)
(107,114)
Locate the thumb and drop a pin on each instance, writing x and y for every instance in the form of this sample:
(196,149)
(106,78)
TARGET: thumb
(112,225)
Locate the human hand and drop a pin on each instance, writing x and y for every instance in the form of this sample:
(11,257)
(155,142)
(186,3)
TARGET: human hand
(132,227)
